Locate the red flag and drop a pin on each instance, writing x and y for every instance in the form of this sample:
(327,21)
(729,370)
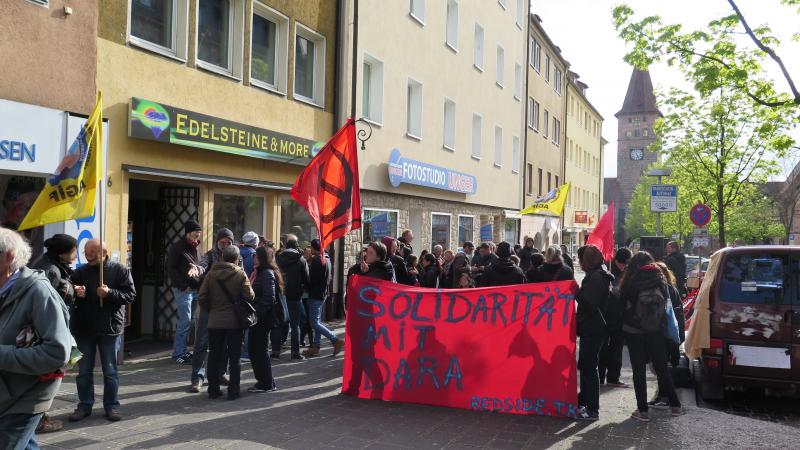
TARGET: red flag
(328,188)
(603,235)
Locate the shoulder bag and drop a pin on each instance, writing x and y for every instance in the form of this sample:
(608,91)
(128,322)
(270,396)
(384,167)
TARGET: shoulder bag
(244,311)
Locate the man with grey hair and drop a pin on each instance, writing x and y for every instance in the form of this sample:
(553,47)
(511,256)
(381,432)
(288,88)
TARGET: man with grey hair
(35,343)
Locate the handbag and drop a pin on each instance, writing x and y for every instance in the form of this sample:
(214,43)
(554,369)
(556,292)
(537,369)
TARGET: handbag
(244,311)
(671,330)
(280,313)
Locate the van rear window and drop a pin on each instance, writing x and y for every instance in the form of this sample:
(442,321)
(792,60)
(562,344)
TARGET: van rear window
(754,278)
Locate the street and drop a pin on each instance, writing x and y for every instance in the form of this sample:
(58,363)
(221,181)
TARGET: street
(308,412)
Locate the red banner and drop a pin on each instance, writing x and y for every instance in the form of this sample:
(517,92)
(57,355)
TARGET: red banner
(507,349)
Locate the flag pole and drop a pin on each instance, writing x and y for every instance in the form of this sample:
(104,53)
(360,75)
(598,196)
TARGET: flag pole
(102,176)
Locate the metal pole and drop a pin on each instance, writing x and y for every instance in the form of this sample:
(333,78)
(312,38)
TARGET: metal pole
(658,216)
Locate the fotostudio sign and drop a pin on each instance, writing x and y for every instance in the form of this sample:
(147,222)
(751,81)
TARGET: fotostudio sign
(405,170)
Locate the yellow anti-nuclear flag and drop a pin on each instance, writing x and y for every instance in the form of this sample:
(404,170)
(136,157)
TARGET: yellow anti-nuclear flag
(553,202)
(71,190)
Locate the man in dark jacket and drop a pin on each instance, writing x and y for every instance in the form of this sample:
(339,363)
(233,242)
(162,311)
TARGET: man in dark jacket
(503,271)
(183,265)
(295,278)
(676,261)
(526,253)
(98,320)
(319,280)
(482,261)
(405,241)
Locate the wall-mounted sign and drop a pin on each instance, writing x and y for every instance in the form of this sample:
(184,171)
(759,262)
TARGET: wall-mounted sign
(581,217)
(31,138)
(404,170)
(663,198)
(487,232)
(157,122)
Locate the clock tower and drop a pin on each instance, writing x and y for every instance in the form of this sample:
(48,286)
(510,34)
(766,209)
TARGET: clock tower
(634,135)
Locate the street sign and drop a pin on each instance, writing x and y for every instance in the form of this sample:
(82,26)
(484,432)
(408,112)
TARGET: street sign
(675,236)
(700,215)
(698,241)
(663,198)
(700,232)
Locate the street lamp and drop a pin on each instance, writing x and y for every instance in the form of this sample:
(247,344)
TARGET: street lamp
(659,173)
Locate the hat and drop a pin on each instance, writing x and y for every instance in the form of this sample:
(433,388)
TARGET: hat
(387,241)
(503,250)
(316,245)
(250,238)
(191,225)
(60,244)
(224,233)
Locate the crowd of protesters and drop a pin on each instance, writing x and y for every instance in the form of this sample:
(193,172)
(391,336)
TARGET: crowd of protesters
(247,300)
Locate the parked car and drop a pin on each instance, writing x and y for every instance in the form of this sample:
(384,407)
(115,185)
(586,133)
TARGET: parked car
(754,301)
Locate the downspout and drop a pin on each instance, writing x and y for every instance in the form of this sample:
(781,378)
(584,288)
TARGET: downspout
(565,120)
(337,310)
(528,62)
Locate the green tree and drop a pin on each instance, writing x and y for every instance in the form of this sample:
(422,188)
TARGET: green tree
(716,57)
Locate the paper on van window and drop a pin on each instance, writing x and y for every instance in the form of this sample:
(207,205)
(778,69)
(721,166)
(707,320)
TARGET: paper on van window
(766,357)
(749,286)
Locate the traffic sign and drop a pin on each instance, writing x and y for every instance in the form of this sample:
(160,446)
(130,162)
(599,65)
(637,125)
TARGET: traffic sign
(700,215)
(663,198)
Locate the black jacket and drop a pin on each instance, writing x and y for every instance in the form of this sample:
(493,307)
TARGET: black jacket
(591,299)
(568,261)
(648,277)
(295,273)
(525,258)
(58,273)
(551,272)
(181,253)
(406,249)
(265,289)
(677,264)
(88,318)
(319,277)
(502,272)
(429,278)
(382,270)
(400,270)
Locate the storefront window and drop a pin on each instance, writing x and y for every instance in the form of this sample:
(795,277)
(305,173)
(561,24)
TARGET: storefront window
(18,194)
(239,213)
(295,220)
(466,229)
(379,223)
(510,232)
(440,230)
(214,32)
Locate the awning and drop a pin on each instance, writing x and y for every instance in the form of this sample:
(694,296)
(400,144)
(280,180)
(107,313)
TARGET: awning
(190,176)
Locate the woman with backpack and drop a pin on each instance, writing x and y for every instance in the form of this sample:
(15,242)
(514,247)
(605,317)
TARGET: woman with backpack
(673,353)
(644,291)
(591,326)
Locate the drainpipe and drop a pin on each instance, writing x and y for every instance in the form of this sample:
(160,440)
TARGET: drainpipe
(525,118)
(336,309)
(564,118)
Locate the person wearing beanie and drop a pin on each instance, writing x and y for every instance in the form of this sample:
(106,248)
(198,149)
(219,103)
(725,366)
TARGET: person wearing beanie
(185,271)
(318,282)
(503,271)
(62,250)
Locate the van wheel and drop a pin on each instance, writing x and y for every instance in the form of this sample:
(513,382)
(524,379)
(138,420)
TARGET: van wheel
(705,389)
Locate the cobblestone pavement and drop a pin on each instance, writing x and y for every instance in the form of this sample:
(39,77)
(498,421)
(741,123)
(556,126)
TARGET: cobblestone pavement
(307,412)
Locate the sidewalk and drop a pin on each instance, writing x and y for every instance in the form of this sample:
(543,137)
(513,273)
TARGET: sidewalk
(307,412)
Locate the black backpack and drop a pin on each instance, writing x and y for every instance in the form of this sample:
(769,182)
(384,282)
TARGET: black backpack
(650,309)
(613,311)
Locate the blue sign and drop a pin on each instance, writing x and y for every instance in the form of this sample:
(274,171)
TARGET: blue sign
(663,198)
(379,226)
(17,151)
(404,170)
(486,232)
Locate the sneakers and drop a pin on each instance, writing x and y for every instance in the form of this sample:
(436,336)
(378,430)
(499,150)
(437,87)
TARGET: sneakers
(616,384)
(585,414)
(113,415)
(48,425)
(195,387)
(338,346)
(641,416)
(256,389)
(658,403)
(298,356)
(78,415)
(224,380)
(677,411)
(214,395)
(185,358)
(311,352)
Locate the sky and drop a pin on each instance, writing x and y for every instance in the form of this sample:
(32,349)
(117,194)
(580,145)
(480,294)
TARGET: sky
(584,31)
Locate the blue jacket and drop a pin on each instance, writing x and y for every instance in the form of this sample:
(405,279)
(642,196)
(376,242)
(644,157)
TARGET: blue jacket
(248,255)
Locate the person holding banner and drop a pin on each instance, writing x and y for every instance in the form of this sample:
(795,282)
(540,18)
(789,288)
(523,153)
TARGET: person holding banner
(374,264)
(591,298)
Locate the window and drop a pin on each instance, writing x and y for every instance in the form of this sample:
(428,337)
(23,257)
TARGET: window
(372,101)
(414,109)
(238,213)
(645,132)
(510,230)
(540,182)
(549,182)
(449,124)
(756,278)
(530,112)
(478,59)
(500,65)
(556,131)
(295,220)
(218,24)
(515,157)
(440,230)
(269,48)
(379,223)
(557,80)
(160,26)
(521,12)
(466,229)
(546,124)
(41,2)
(477,123)
(309,65)
(529,178)
(451,33)
(498,146)
(535,115)
(417,11)
(557,181)
(547,68)
(517,81)
(537,56)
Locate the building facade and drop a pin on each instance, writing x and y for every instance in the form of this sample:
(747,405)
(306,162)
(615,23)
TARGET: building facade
(446,112)
(583,168)
(545,142)
(214,106)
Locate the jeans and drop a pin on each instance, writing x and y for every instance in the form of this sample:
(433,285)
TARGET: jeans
(588,358)
(315,316)
(295,317)
(650,347)
(610,366)
(306,327)
(18,431)
(276,338)
(200,347)
(108,347)
(184,303)
(219,341)
(259,352)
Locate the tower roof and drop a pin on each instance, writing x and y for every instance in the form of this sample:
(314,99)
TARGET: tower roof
(640,97)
